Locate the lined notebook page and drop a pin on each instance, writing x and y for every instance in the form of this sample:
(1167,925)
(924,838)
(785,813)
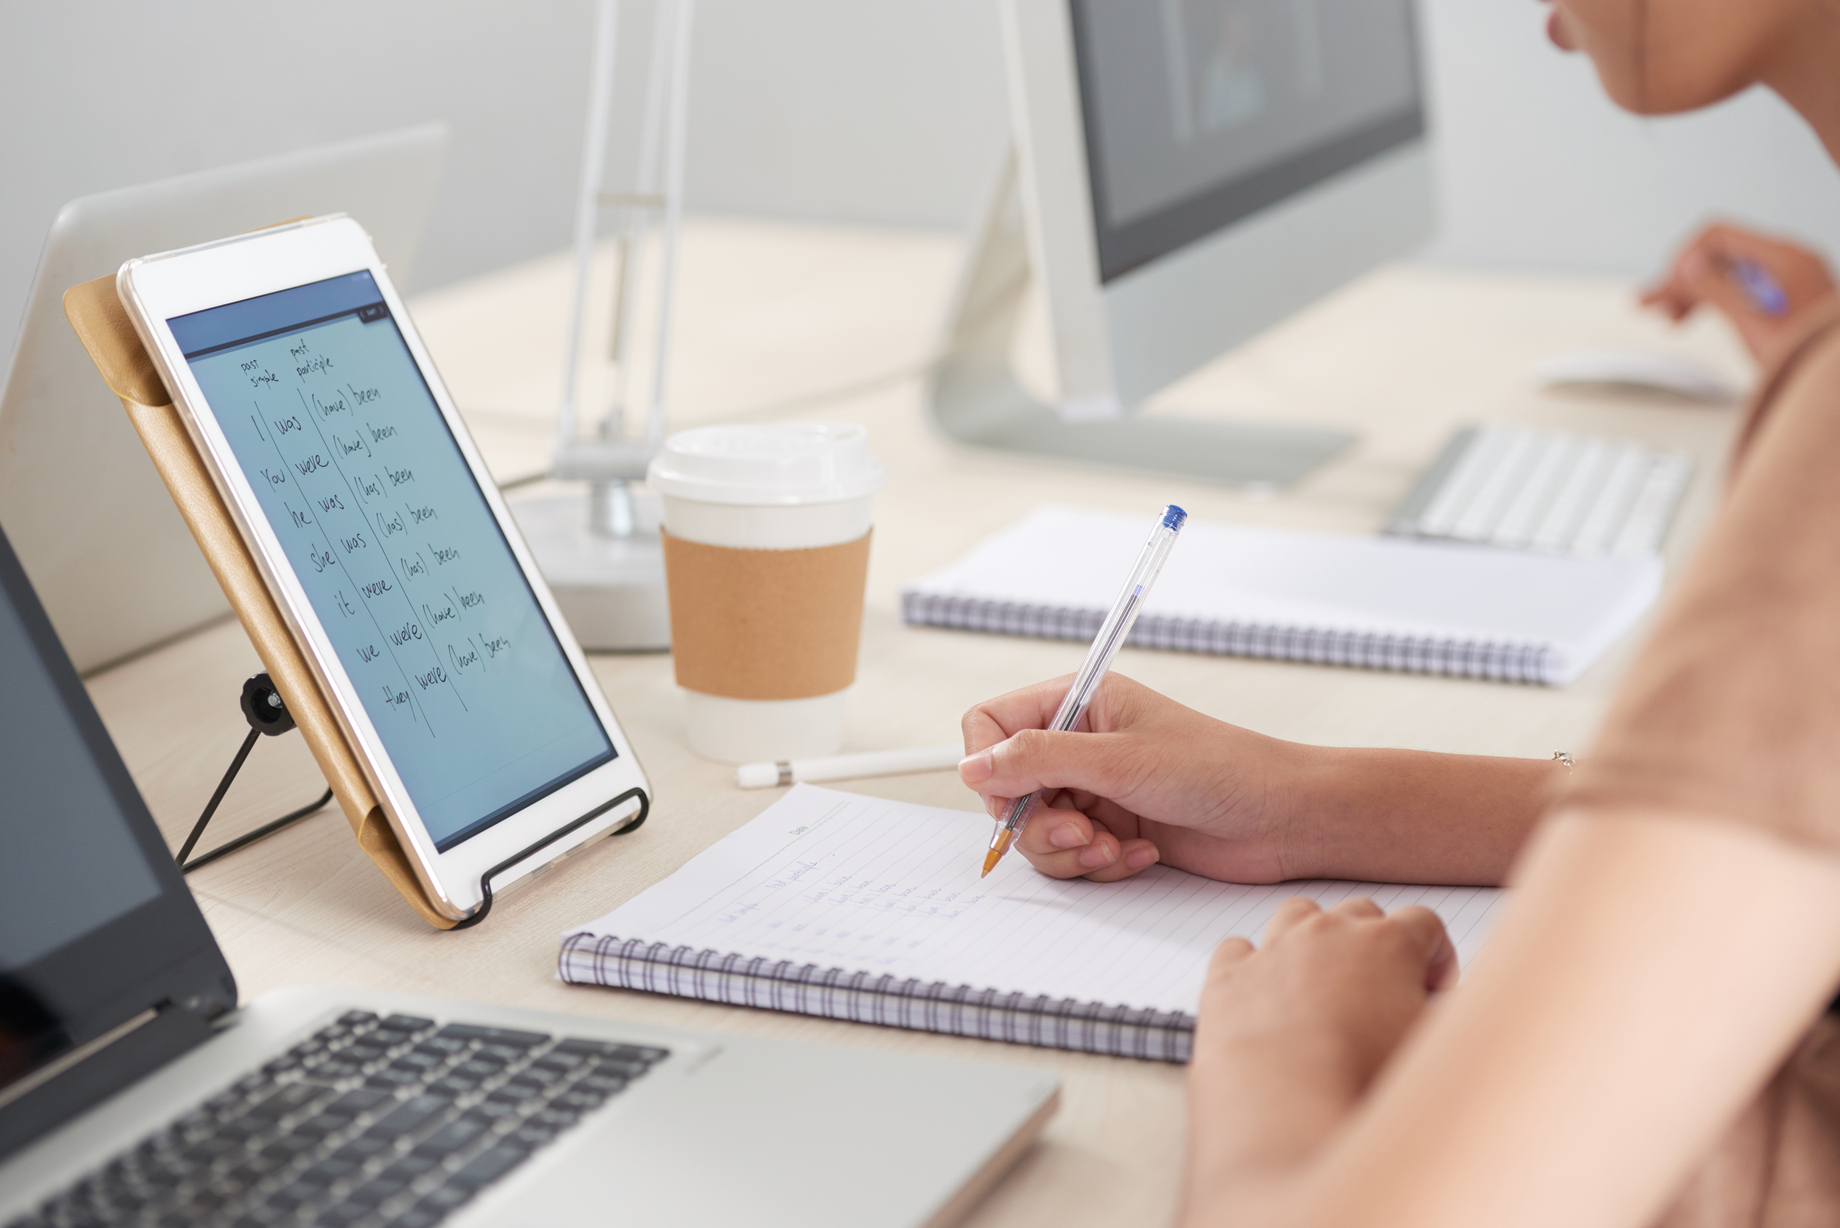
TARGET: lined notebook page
(864,884)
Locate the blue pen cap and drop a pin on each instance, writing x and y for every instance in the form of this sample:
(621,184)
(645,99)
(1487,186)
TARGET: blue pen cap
(1174,517)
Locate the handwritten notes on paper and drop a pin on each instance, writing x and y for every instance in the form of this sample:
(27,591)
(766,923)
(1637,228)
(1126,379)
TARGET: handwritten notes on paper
(398,551)
(861,883)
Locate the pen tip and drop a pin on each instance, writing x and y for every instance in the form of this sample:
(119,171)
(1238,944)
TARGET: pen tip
(990,861)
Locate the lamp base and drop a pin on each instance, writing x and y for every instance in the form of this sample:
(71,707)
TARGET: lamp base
(611,589)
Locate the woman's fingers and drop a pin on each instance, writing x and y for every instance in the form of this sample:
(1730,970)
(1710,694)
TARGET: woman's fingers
(1067,844)
(1289,915)
(1426,930)
(1107,765)
(1230,952)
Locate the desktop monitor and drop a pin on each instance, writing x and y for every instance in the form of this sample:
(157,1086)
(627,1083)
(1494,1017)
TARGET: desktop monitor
(99,536)
(1185,174)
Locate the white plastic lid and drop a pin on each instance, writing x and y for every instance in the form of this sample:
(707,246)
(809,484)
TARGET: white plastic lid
(771,464)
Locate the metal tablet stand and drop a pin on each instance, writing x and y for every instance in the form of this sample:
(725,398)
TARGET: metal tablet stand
(604,560)
(485,880)
(268,716)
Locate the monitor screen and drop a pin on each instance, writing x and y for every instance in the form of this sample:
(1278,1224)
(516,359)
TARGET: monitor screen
(1198,113)
(398,550)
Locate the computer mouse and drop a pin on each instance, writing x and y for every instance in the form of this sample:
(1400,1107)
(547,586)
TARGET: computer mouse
(1636,370)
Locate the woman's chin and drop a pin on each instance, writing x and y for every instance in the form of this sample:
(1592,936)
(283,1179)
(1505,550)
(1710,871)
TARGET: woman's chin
(1555,30)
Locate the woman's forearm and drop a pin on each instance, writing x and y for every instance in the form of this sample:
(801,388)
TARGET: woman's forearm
(1650,972)
(1411,816)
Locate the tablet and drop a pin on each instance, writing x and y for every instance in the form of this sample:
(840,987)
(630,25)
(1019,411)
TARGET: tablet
(387,548)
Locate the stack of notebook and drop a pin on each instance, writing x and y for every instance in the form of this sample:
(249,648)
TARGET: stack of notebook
(1382,603)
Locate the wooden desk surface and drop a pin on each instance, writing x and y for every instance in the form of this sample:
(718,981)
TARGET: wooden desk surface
(784,321)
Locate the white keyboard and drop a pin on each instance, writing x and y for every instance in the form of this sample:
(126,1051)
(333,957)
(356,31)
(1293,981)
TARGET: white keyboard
(1550,491)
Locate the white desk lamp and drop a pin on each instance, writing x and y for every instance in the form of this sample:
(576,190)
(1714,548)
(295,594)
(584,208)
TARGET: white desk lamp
(603,559)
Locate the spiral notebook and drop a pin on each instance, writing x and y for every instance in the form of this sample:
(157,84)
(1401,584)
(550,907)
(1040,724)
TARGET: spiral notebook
(870,910)
(1336,599)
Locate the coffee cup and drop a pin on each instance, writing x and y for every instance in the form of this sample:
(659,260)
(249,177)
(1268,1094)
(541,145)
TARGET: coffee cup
(766,548)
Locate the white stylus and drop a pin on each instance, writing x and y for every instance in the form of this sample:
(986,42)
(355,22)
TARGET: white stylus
(850,767)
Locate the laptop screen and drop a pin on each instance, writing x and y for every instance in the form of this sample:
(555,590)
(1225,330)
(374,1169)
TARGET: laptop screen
(62,806)
(97,929)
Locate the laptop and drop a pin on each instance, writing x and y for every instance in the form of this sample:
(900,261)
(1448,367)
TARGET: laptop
(99,535)
(136,1089)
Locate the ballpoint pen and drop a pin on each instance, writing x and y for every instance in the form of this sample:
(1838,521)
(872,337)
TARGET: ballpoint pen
(1764,291)
(1112,634)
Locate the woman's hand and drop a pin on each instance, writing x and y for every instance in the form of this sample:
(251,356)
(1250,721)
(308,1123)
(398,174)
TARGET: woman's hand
(1289,1038)
(1145,779)
(1712,269)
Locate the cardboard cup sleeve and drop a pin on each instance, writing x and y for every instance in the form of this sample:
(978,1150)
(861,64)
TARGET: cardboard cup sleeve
(765,624)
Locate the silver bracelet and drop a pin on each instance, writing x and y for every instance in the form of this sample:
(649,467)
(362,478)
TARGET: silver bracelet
(1565,757)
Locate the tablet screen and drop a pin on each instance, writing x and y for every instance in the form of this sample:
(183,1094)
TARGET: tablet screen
(397,549)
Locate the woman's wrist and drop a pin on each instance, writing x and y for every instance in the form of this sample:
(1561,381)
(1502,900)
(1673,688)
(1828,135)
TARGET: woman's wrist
(1403,816)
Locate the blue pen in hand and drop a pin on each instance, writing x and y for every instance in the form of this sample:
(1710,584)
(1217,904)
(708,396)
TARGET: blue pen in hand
(1112,634)
(1764,291)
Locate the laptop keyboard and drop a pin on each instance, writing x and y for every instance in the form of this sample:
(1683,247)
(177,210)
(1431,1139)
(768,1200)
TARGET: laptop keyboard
(368,1122)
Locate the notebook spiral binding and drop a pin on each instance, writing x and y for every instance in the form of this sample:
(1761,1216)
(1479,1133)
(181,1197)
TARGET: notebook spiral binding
(1498,661)
(863,997)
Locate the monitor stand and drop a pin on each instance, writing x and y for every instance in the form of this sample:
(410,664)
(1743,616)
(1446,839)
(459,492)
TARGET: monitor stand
(974,396)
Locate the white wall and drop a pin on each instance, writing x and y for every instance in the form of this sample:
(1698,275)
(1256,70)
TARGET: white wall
(1539,170)
(881,111)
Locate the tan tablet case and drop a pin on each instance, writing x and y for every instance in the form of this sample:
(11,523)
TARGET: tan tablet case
(95,311)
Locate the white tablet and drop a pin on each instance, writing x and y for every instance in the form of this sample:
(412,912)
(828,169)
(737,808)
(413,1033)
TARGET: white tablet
(388,549)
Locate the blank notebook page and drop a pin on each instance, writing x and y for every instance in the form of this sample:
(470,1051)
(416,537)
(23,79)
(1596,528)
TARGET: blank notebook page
(864,884)
(1075,558)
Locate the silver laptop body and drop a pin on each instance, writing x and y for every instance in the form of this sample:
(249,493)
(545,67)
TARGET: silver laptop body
(134,1089)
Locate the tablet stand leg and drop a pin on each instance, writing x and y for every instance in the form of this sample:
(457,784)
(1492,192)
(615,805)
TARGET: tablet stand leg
(266,714)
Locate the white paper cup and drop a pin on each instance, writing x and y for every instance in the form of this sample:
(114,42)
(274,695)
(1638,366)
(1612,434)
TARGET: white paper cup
(792,486)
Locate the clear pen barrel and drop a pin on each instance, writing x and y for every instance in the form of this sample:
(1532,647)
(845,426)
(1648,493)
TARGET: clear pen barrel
(1117,625)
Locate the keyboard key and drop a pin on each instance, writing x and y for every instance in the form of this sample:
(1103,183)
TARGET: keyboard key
(453,1137)
(299,1194)
(376,1192)
(445,1198)
(494,1036)
(488,1166)
(440,1044)
(605,1084)
(352,1019)
(492,1110)
(363,1147)
(502,1054)
(336,1069)
(328,1172)
(409,1168)
(359,1101)
(407,1023)
(290,1099)
(417,1217)
(309,1133)
(409,1117)
(390,1077)
(641,1053)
